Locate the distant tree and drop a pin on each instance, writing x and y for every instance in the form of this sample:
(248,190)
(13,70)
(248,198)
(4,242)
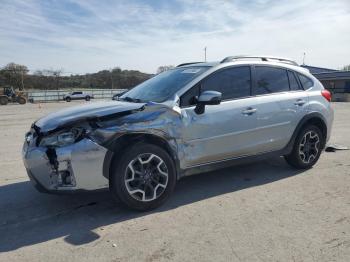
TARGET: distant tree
(3,79)
(346,68)
(53,78)
(164,68)
(56,75)
(14,75)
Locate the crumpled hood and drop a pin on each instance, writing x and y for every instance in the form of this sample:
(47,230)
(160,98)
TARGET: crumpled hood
(89,111)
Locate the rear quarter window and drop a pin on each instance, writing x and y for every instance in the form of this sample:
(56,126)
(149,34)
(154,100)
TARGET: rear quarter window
(293,82)
(305,81)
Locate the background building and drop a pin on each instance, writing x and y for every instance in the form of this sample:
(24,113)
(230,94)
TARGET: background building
(336,81)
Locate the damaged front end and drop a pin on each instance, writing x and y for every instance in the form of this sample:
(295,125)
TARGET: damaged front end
(59,152)
(69,151)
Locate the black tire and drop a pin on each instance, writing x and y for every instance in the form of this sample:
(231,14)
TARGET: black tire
(21,100)
(119,174)
(298,158)
(87,98)
(3,100)
(68,99)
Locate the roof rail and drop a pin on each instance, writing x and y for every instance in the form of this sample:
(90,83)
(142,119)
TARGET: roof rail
(263,58)
(190,63)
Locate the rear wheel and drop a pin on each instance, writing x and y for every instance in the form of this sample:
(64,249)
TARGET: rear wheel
(144,177)
(87,98)
(307,148)
(3,100)
(21,100)
(68,99)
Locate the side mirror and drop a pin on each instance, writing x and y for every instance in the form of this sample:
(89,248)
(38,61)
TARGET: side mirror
(117,96)
(207,98)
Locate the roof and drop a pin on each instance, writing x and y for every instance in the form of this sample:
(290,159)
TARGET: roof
(335,75)
(260,58)
(190,64)
(320,73)
(316,70)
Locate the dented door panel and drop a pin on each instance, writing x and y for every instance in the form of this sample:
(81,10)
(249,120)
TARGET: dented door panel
(222,132)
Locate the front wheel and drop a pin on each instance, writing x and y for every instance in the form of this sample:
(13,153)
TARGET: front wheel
(307,148)
(144,177)
(3,100)
(87,98)
(68,99)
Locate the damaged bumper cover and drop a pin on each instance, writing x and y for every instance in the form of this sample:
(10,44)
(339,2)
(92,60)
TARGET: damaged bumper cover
(76,167)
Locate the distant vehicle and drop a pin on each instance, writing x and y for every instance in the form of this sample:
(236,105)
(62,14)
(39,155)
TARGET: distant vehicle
(8,94)
(78,95)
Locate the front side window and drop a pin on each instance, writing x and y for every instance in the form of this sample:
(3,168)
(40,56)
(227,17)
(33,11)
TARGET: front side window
(305,81)
(270,80)
(163,86)
(232,83)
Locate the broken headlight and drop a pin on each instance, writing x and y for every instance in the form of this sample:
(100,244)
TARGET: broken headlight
(64,138)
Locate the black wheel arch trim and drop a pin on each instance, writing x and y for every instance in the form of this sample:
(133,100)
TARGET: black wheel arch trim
(307,118)
(123,141)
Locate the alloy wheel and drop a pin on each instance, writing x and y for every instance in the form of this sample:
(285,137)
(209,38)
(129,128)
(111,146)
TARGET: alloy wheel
(146,177)
(309,147)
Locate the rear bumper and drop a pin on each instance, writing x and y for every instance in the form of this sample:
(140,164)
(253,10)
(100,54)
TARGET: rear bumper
(77,167)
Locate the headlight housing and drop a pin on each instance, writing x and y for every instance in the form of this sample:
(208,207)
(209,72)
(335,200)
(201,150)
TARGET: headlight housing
(63,138)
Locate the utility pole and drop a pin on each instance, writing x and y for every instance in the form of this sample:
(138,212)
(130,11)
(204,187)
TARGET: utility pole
(111,70)
(205,54)
(304,58)
(22,80)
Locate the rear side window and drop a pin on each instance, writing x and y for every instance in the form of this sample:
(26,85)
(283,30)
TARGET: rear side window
(270,80)
(293,82)
(232,82)
(305,81)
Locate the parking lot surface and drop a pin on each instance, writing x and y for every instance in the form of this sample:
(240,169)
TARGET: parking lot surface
(264,211)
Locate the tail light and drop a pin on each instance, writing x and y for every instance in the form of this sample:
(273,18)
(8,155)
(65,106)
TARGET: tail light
(326,94)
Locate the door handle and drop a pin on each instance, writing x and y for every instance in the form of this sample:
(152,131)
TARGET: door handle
(299,102)
(249,111)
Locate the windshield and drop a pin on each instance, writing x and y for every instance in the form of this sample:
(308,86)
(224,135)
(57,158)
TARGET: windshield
(163,86)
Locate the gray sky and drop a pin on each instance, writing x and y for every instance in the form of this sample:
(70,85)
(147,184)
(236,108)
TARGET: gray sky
(87,36)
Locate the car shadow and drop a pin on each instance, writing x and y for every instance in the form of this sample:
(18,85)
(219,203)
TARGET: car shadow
(29,217)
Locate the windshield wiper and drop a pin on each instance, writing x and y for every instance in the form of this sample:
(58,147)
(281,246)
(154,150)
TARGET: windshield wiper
(129,99)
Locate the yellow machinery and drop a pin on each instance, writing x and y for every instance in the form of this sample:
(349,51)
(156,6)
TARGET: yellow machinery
(8,94)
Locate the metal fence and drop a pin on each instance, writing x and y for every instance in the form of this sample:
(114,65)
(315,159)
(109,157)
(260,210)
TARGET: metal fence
(57,95)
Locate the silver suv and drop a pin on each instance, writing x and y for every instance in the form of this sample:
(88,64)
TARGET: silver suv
(194,118)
